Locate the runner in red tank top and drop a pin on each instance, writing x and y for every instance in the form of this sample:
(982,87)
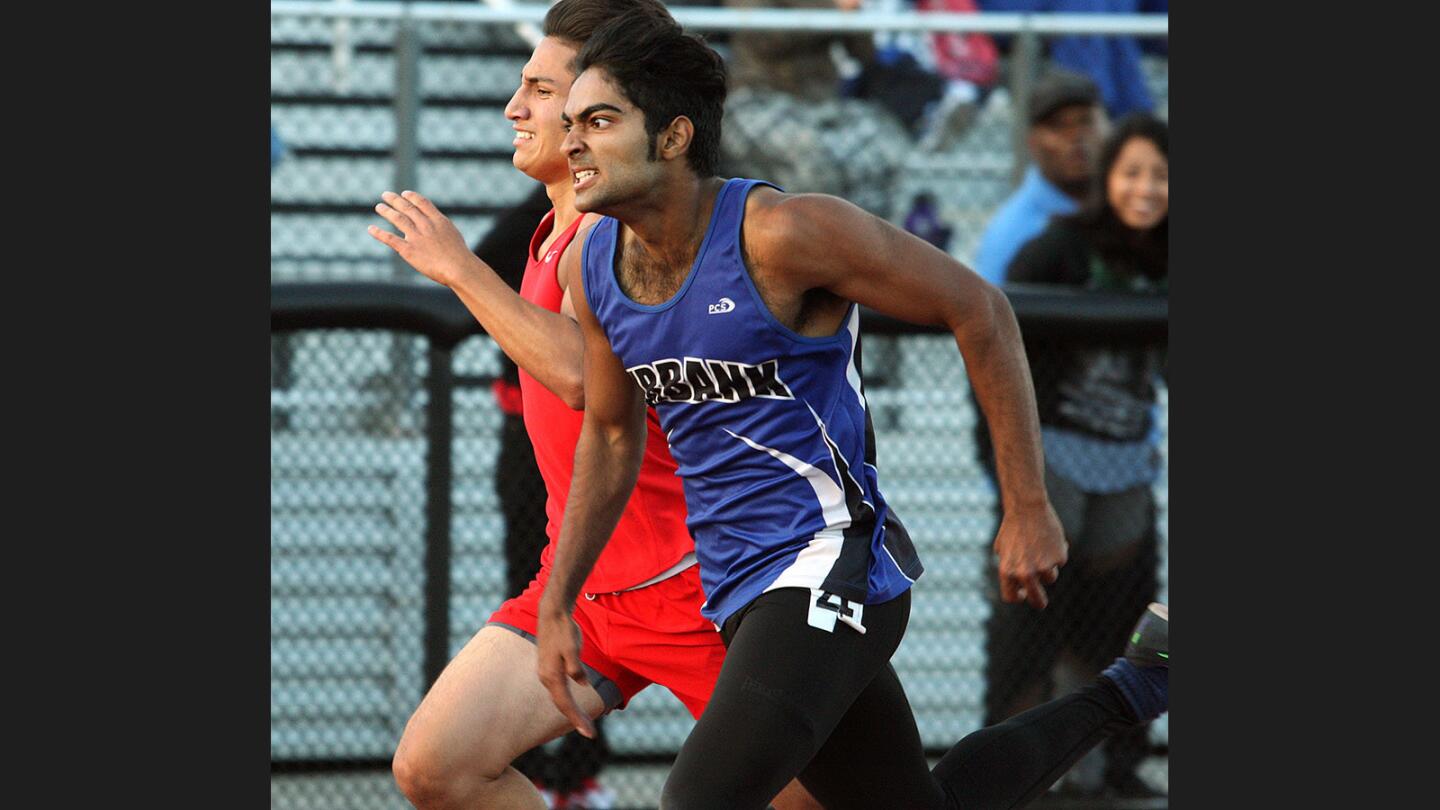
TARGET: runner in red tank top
(639,614)
(651,537)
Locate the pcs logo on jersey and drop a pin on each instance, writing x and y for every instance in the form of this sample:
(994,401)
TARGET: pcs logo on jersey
(695,379)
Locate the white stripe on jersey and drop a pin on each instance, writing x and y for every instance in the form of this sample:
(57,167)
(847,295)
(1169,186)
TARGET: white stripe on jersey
(830,495)
(851,373)
(832,447)
(812,565)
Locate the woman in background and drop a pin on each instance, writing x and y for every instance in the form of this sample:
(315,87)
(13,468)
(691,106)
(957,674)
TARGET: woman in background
(1120,239)
(1099,427)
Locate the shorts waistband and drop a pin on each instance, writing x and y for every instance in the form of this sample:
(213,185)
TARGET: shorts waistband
(684,563)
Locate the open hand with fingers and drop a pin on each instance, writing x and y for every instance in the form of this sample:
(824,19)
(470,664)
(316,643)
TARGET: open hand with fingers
(428,240)
(1031,546)
(557,638)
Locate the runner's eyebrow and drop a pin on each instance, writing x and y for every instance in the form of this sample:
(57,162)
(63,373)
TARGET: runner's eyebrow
(591,110)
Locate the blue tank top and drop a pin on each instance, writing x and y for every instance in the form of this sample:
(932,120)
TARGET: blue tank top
(769,428)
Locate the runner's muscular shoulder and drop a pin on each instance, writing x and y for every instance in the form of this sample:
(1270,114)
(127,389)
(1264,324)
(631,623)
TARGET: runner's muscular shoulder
(780,254)
(805,242)
(793,238)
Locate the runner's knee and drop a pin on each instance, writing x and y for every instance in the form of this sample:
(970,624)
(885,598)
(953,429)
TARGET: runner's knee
(430,779)
(423,781)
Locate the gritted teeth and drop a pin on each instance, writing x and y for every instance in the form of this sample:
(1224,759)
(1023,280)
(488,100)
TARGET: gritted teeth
(584,173)
(525,136)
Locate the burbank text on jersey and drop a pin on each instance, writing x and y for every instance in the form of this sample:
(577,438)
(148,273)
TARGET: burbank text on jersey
(695,379)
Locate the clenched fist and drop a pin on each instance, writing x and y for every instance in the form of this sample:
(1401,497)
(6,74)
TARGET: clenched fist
(1031,548)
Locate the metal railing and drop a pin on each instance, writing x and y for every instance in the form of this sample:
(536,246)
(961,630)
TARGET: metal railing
(760,19)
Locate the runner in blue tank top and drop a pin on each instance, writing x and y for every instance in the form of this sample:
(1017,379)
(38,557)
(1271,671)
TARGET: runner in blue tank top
(732,308)
(769,428)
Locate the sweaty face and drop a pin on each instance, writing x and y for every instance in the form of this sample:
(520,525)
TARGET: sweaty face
(534,111)
(1065,143)
(609,154)
(1138,187)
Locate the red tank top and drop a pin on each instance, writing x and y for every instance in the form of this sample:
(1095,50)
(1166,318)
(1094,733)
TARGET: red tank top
(651,536)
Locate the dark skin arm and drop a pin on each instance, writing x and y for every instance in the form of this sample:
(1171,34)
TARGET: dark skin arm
(607,464)
(798,243)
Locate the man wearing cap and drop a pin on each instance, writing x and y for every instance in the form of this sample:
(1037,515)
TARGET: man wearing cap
(1067,123)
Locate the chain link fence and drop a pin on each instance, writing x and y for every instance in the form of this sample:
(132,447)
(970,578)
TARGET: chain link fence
(351,448)
(350,468)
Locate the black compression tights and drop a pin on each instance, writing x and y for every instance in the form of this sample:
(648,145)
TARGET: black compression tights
(792,699)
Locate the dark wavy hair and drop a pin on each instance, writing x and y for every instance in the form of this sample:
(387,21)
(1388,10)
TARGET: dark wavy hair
(1124,249)
(666,73)
(576,20)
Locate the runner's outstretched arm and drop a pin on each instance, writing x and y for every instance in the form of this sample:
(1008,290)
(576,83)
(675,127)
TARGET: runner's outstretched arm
(545,344)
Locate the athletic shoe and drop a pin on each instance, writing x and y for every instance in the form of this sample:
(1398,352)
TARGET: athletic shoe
(591,796)
(1149,644)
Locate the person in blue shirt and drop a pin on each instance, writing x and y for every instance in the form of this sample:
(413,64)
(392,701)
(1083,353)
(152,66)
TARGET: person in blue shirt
(1066,125)
(1112,61)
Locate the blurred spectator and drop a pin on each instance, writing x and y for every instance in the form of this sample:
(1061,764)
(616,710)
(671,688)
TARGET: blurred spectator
(970,65)
(896,79)
(566,770)
(792,63)
(1066,123)
(1100,433)
(1112,61)
(786,121)
(1120,240)
(970,57)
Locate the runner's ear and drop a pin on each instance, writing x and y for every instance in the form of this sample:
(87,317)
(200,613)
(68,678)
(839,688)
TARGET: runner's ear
(674,140)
